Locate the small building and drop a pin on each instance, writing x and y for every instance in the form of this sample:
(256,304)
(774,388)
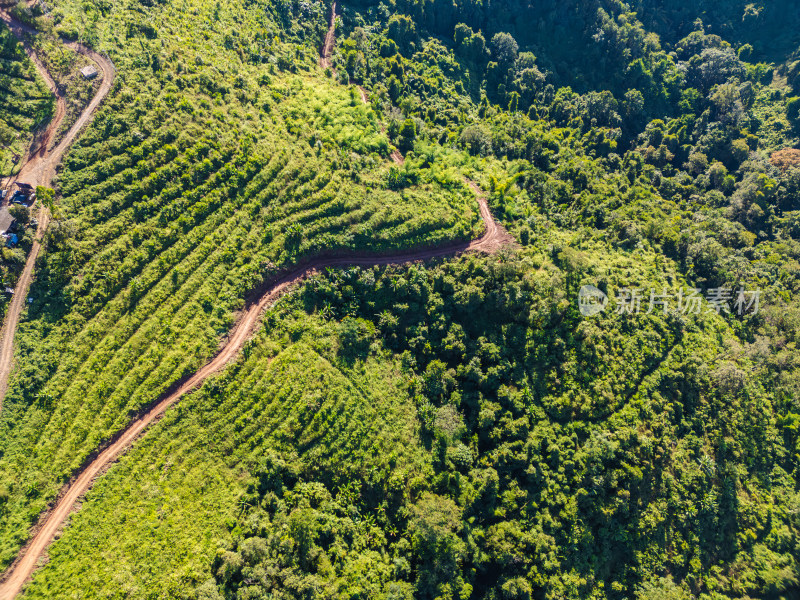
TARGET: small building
(89,72)
(24,195)
(24,189)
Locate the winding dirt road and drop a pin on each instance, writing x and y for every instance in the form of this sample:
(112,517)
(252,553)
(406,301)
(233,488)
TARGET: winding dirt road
(20,571)
(330,40)
(40,169)
(52,521)
(19,30)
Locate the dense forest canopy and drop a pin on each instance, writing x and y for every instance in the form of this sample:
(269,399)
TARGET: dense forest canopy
(455,429)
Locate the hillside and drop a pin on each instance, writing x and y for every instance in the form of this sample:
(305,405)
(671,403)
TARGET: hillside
(414,415)
(26,102)
(180,218)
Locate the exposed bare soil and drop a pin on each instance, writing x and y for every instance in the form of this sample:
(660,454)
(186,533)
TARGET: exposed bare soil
(39,168)
(52,521)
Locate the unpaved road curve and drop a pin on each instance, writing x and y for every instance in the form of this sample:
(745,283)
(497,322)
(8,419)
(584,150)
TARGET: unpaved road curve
(52,521)
(330,40)
(40,169)
(18,29)
(22,569)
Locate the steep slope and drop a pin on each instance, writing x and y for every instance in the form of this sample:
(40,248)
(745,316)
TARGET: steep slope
(650,451)
(26,102)
(180,214)
(341,453)
(53,520)
(288,402)
(38,169)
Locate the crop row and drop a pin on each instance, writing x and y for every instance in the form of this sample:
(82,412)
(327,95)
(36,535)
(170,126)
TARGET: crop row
(162,236)
(180,486)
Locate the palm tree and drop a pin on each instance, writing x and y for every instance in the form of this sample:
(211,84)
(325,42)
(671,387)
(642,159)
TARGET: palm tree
(326,311)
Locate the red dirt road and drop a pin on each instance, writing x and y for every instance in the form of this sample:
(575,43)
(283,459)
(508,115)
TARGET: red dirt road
(22,569)
(330,40)
(52,521)
(40,169)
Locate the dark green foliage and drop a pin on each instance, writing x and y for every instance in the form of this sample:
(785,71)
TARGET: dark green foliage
(355,336)
(793,110)
(26,105)
(768,27)
(434,528)
(582,441)
(470,45)
(406,135)
(504,49)
(191,188)
(285,474)
(21,213)
(455,430)
(403,32)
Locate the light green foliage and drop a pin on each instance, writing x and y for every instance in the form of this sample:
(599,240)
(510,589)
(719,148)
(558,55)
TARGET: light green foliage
(189,190)
(549,435)
(456,430)
(25,102)
(286,455)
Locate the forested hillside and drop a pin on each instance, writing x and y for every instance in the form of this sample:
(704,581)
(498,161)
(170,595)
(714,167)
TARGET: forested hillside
(451,429)
(187,192)
(770,27)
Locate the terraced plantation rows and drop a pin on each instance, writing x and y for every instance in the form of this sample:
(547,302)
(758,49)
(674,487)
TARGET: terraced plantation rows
(25,102)
(163,229)
(186,483)
(449,431)
(39,169)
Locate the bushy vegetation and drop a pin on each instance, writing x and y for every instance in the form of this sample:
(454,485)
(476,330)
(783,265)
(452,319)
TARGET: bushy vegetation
(583,458)
(456,431)
(188,191)
(25,102)
(767,27)
(293,422)
(683,146)
(449,431)
(12,258)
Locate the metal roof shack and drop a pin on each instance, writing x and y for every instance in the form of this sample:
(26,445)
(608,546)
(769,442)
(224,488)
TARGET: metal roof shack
(89,72)
(24,193)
